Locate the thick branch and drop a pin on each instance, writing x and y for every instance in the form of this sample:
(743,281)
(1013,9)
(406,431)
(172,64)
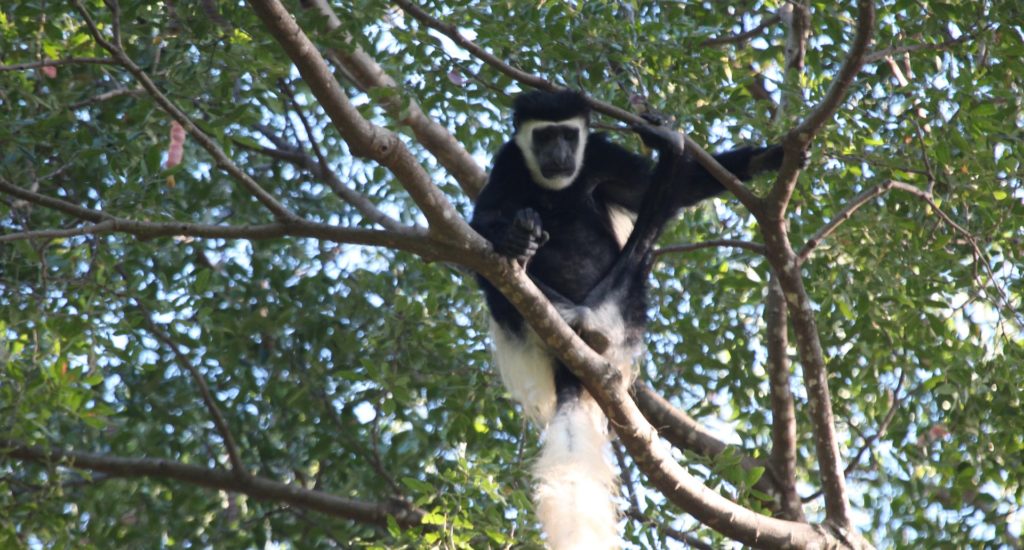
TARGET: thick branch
(783,454)
(364,139)
(257,487)
(812,359)
(220,157)
(683,432)
(368,74)
(608,387)
(786,267)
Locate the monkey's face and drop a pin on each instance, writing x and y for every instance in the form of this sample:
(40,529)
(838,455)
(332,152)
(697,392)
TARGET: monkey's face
(553,150)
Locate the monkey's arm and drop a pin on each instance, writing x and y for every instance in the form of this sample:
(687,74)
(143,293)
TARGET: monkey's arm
(502,214)
(744,163)
(618,175)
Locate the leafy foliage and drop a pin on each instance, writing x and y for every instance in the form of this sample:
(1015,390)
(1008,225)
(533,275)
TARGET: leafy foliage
(364,372)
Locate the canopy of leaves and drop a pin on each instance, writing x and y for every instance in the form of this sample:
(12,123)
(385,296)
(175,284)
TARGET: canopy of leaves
(364,372)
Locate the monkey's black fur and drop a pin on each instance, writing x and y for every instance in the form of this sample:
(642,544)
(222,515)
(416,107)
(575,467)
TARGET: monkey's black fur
(565,237)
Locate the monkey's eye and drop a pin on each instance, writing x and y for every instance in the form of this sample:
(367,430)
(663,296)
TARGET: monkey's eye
(545,135)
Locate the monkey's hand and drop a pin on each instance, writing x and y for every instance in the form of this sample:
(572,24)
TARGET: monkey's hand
(523,237)
(664,139)
(769,159)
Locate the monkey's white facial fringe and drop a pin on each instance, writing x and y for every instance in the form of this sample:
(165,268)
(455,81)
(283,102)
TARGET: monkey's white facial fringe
(524,139)
(575,483)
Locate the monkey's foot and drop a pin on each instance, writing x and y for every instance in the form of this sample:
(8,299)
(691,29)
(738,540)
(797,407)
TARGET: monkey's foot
(597,339)
(662,138)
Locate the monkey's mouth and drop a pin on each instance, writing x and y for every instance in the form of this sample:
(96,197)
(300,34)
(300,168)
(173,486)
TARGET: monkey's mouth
(557,171)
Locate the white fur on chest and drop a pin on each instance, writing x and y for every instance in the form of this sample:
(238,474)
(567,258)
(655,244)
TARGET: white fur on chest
(623,220)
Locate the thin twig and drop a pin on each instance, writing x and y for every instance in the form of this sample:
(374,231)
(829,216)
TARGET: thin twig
(59,62)
(256,487)
(689,247)
(411,239)
(281,212)
(50,234)
(322,170)
(880,55)
(691,540)
(743,36)
(237,466)
(842,216)
(627,476)
(106,96)
(870,440)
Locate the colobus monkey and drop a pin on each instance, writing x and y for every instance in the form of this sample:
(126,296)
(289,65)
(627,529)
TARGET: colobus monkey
(563,202)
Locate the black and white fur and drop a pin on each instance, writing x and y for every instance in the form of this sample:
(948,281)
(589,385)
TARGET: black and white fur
(563,202)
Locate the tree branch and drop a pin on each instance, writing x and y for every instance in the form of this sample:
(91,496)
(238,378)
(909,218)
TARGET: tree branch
(375,513)
(782,458)
(237,466)
(368,74)
(842,216)
(59,62)
(892,51)
(894,404)
(364,139)
(667,531)
(606,384)
(320,169)
(106,96)
(797,139)
(787,270)
(786,267)
(689,247)
(409,239)
(829,105)
(50,234)
(797,17)
(743,36)
(222,160)
(685,433)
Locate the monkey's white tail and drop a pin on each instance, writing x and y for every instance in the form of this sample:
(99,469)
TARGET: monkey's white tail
(575,484)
